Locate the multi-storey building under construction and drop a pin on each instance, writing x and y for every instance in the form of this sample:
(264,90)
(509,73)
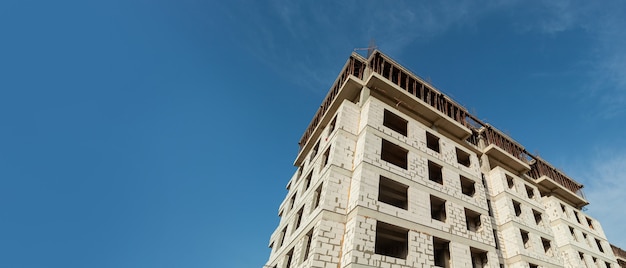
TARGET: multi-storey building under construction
(392,173)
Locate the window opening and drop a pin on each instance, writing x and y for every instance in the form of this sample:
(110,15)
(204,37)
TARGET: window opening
(394,154)
(293,200)
(590,222)
(517,207)
(432,141)
(571,231)
(582,258)
(510,183)
(307,247)
(316,196)
(437,208)
(325,157)
(315,149)
(299,173)
(391,240)
(434,172)
(479,258)
(392,192)
(472,220)
(298,218)
(525,239)
(467,186)
(395,122)
(462,157)
(331,126)
(283,233)
(538,217)
(547,246)
(442,252)
(599,245)
(307,181)
(289,257)
(530,192)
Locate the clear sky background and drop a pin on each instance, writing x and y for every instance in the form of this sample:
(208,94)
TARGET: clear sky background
(162,133)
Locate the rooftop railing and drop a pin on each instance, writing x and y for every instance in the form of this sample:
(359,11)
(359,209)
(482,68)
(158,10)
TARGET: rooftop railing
(411,83)
(542,168)
(390,70)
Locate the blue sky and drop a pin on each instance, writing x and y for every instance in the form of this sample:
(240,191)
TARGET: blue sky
(162,133)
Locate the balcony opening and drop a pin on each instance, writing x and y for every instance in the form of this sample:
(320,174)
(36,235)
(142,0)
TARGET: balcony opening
(530,265)
(563,209)
(434,172)
(395,122)
(432,142)
(518,208)
(392,193)
(441,252)
(472,220)
(394,154)
(462,157)
(479,258)
(391,240)
(547,246)
(586,239)
(538,217)
(530,192)
(599,245)
(510,182)
(467,186)
(437,208)
(525,238)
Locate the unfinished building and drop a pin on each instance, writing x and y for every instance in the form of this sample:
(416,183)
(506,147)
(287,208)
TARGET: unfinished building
(393,173)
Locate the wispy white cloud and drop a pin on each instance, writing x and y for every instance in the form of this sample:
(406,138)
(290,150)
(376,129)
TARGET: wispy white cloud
(606,188)
(333,28)
(308,37)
